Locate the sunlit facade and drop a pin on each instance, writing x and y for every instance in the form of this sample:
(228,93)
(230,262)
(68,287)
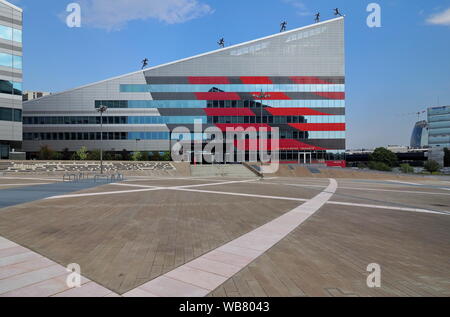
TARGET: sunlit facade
(10,78)
(439,126)
(419,137)
(301,72)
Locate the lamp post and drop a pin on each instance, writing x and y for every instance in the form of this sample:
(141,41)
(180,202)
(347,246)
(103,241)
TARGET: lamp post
(101,109)
(261,96)
(137,140)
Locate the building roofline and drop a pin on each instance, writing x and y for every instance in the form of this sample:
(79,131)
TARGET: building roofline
(11,5)
(193,57)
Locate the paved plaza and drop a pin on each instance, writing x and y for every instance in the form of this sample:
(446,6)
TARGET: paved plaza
(222,236)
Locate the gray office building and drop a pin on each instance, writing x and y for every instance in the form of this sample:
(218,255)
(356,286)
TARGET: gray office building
(439,126)
(302,72)
(10,78)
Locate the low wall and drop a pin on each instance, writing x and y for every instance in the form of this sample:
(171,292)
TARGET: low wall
(61,167)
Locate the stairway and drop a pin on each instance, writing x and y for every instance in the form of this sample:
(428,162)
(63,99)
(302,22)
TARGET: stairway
(229,170)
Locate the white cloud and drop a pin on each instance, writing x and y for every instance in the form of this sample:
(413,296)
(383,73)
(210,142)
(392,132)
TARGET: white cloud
(442,18)
(113,15)
(299,6)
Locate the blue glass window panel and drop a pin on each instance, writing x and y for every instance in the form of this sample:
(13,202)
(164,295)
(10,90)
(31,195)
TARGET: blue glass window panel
(17,35)
(439,111)
(148,135)
(439,124)
(165,120)
(439,118)
(204,103)
(6,60)
(325,119)
(189,136)
(10,34)
(6,33)
(439,139)
(142,88)
(17,62)
(167,104)
(440,131)
(11,88)
(17,88)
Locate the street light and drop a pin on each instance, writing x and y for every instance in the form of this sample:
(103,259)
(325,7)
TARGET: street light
(137,140)
(261,96)
(101,109)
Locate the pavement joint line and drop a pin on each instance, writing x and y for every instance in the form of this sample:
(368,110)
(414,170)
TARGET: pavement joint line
(145,189)
(390,208)
(368,189)
(301,199)
(400,182)
(236,194)
(104,193)
(135,185)
(253,244)
(189,188)
(215,184)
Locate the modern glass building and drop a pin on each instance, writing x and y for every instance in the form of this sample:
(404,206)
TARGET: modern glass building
(439,126)
(419,137)
(302,73)
(10,78)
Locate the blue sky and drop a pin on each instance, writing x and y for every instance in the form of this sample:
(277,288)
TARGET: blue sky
(392,71)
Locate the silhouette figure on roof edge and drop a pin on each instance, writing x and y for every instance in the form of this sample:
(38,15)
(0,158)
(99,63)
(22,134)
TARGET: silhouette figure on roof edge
(144,63)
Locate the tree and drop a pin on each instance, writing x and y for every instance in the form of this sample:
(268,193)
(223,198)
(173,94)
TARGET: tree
(406,168)
(144,156)
(57,156)
(379,166)
(81,154)
(66,154)
(108,156)
(156,156)
(385,156)
(137,156)
(94,155)
(167,157)
(447,157)
(432,166)
(46,153)
(125,155)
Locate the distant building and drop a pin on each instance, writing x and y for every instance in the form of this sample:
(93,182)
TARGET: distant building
(419,137)
(30,95)
(10,78)
(439,127)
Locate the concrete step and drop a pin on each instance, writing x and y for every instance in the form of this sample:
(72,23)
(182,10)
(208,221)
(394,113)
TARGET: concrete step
(229,170)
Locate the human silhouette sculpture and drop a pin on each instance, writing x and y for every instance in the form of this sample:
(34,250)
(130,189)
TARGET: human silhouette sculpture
(144,63)
(283,26)
(221,42)
(317,19)
(337,13)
